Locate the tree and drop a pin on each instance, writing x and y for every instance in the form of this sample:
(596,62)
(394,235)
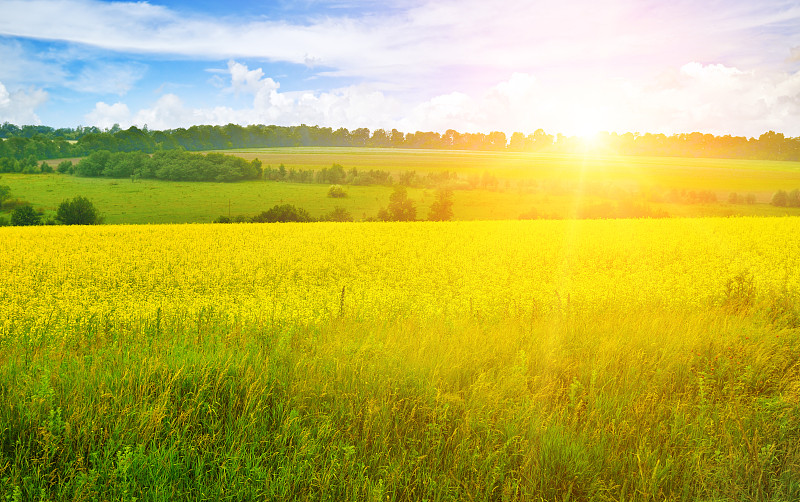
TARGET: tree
(282,213)
(338,214)
(442,207)
(401,208)
(25,216)
(5,193)
(337,192)
(780,199)
(65,166)
(78,211)
(793,198)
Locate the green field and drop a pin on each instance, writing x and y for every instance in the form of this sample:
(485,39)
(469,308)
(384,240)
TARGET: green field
(722,175)
(552,185)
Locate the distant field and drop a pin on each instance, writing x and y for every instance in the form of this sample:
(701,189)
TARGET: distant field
(667,172)
(151,201)
(553,185)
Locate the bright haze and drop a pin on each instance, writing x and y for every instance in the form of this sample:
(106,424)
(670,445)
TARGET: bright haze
(573,67)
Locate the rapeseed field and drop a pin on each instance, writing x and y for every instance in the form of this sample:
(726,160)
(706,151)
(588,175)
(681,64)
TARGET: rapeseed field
(511,360)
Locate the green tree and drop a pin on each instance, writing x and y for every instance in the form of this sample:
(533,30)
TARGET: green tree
(793,198)
(780,199)
(25,216)
(337,192)
(338,214)
(78,211)
(65,166)
(401,208)
(283,213)
(442,207)
(5,193)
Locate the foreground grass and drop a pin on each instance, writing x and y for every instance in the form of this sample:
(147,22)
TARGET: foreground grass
(572,406)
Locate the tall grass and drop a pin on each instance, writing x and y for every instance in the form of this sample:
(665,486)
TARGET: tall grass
(572,405)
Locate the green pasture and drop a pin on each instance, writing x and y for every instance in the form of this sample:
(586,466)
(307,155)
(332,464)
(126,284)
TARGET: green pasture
(551,185)
(725,175)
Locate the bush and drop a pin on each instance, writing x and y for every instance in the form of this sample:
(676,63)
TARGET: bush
(283,213)
(78,211)
(65,167)
(25,216)
(337,192)
(46,168)
(338,214)
(793,198)
(780,198)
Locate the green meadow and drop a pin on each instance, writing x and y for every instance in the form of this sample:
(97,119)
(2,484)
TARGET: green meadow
(546,185)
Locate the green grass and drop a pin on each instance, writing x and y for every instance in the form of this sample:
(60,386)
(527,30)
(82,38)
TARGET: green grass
(723,175)
(570,407)
(551,184)
(151,201)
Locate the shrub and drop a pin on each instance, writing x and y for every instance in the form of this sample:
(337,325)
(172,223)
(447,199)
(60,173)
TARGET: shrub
(793,198)
(65,167)
(338,214)
(337,192)
(78,211)
(780,198)
(283,213)
(25,216)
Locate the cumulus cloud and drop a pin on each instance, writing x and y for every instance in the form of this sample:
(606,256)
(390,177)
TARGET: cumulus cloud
(351,106)
(245,80)
(105,115)
(693,97)
(19,106)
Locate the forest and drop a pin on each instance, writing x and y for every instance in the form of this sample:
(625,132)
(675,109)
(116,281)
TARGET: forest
(21,147)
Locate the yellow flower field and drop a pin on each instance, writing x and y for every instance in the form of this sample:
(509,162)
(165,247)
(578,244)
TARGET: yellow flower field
(305,273)
(518,360)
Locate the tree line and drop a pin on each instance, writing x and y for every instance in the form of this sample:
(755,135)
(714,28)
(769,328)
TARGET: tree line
(172,165)
(33,143)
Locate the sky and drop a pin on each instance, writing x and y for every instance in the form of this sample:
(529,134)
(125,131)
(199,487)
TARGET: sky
(573,67)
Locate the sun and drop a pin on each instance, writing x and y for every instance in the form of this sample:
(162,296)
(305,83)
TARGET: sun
(587,126)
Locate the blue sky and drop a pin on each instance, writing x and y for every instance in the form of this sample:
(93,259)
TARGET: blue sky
(575,67)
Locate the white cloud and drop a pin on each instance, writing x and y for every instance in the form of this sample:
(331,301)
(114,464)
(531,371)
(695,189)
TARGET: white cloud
(111,78)
(19,107)
(352,106)
(694,97)
(431,38)
(249,81)
(105,115)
